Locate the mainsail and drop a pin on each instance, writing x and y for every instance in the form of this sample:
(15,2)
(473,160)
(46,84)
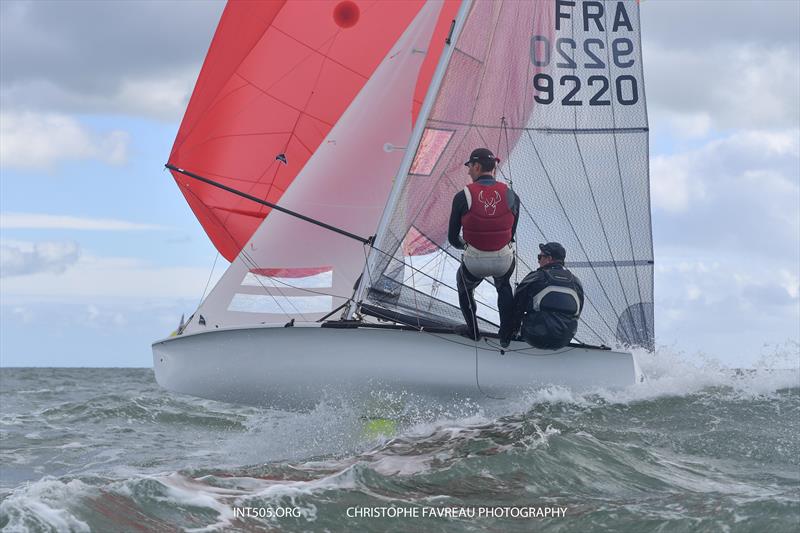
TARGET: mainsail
(556,89)
(277,78)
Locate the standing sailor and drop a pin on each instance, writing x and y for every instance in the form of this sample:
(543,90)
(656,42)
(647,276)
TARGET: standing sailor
(549,301)
(487,210)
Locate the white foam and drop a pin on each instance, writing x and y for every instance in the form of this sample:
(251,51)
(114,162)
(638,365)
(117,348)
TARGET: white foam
(185,491)
(673,373)
(44,504)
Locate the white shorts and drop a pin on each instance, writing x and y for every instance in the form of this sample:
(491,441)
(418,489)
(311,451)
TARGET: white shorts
(484,264)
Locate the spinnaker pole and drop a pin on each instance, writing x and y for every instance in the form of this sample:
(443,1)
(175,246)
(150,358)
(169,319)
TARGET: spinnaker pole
(252,198)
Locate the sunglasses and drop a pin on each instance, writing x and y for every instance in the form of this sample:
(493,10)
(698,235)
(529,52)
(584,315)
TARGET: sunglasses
(542,255)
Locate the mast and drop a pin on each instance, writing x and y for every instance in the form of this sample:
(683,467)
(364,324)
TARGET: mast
(411,152)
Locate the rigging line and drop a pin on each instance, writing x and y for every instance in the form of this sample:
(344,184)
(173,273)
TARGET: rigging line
(449,306)
(621,186)
(208,281)
(404,263)
(522,260)
(441,256)
(246,259)
(442,175)
(269,204)
(586,298)
(445,251)
(475,330)
(251,262)
(434,185)
(508,154)
(569,221)
(477,380)
(536,225)
(440,271)
(274,279)
(602,225)
(434,278)
(368,270)
(579,242)
(414,289)
(500,137)
(511,186)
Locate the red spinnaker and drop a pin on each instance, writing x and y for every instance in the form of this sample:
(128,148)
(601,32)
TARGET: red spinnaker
(277,77)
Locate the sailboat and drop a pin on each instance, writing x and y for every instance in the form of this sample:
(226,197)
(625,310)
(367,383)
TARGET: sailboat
(321,150)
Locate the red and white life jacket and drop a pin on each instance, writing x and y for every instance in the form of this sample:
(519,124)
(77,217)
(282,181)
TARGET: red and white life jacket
(487,225)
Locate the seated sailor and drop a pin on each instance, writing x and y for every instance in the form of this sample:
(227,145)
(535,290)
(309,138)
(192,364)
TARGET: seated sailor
(487,210)
(548,301)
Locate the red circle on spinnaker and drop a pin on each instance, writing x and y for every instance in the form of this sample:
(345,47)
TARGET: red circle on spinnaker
(346,14)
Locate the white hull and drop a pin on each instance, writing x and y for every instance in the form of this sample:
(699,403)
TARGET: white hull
(295,368)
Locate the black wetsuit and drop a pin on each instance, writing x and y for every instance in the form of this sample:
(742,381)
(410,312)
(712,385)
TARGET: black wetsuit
(554,325)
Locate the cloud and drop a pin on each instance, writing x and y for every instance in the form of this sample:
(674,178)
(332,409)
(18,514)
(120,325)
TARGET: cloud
(722,304)
(93,316)
(163,97)
(722,64)
(725,86)
(20,258)
(38,141)
(91,278)
(43,221)
(767,22)
(137,58)
(99,332)
(737,193)
(23,314)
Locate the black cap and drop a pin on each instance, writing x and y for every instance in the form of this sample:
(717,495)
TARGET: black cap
(481,155)
(554,250)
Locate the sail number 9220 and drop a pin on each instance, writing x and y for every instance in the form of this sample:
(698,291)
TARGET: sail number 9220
(596,87)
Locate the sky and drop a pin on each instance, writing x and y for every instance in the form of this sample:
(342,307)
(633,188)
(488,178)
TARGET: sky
(100,255)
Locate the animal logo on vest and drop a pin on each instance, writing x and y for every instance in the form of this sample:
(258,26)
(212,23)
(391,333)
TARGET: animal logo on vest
(489,205)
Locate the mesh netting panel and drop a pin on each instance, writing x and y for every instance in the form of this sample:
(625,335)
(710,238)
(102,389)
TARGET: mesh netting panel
(557,93)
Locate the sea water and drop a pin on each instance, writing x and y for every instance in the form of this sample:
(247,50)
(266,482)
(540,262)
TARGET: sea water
(699,447)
